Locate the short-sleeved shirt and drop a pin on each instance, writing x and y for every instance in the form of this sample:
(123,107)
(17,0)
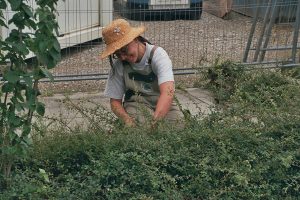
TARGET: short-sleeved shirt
(161,65)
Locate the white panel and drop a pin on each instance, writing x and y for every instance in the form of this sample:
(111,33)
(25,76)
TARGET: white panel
(106,12)
(74,15)
(79,20)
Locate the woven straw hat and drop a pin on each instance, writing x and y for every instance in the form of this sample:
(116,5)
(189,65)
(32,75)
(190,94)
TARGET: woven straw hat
(118,34)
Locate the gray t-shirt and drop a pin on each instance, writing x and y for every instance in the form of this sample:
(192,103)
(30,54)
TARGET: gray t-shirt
(161,65)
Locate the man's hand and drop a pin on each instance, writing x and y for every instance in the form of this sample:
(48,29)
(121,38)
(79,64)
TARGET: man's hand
(130,122)
(118,109)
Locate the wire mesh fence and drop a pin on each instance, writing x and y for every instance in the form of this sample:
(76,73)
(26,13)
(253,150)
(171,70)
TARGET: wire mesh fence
(192,32)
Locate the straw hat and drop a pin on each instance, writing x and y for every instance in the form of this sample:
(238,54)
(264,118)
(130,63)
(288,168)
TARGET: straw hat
(118,34)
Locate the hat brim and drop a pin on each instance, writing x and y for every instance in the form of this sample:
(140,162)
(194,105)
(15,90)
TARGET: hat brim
(130,36)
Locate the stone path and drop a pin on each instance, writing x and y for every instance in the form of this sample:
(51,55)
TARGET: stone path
(81,108)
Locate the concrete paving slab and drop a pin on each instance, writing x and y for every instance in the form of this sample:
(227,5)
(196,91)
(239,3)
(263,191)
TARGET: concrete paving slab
(75,110)
(79,109)
(197,101)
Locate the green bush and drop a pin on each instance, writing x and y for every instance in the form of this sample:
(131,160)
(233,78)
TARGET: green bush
(250,150)
(223,79)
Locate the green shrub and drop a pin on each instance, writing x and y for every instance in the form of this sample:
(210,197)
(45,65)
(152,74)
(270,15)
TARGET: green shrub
(223,78)
(250,150)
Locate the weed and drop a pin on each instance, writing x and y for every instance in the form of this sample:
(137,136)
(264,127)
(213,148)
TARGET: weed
(223,78)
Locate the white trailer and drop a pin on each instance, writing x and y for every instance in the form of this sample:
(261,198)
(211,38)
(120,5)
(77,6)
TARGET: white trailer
(79,20)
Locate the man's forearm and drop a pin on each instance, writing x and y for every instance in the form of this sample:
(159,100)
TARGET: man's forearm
(165,100)
(163,106)
(120,112)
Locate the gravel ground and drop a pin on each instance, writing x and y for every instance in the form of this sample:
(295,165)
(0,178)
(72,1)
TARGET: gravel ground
(189,43)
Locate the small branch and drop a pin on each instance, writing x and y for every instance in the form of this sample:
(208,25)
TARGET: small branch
(35,89)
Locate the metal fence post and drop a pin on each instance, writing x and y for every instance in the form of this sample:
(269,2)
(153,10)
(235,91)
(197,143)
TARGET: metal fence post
(251,32)
(296,33)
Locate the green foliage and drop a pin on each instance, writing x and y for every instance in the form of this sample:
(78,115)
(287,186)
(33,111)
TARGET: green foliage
(223,78)
(32,32)
(266,90)
(292,72)
(250,150)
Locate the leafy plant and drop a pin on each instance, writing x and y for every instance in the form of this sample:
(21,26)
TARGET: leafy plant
(223,78)
(227,155)
(31,30)
(293,72)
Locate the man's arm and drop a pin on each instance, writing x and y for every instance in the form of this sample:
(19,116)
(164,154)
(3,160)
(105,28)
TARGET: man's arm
(165,99)
(118,109)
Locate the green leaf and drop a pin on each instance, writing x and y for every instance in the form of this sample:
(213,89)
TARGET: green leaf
(47,74)
(12,76)
(19,96)
(20,107)
(48,61)
(28,80)
(55,55)
(21,47)
(40,108)
(42,57)
(27,10)
(287,161)
(13,119)
(2,23)
(241,179)
(31,23)
(56,45)
(31,100)
(15,4)
(18,20)
(8,87)
(43,45)
(3,4)
(28,140)
(44,175)
(31,105)
(26,131)
(50,27)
